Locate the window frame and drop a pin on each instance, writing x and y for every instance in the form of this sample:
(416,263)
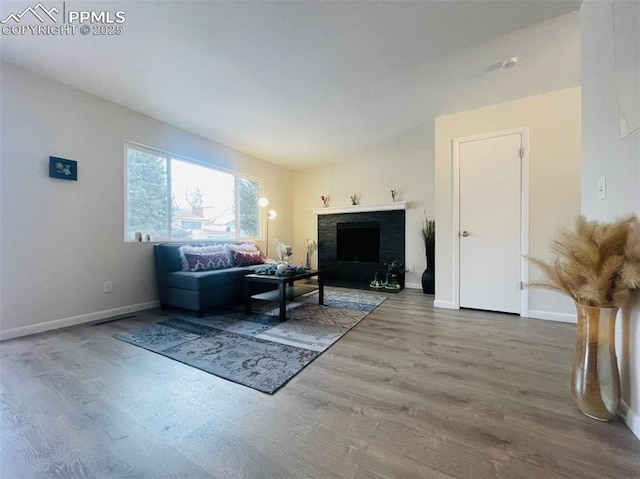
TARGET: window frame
(168,156)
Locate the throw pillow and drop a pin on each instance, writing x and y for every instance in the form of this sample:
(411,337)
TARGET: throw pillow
(245,247)
(200,249)
(252,247)
(246,258)
(207,261)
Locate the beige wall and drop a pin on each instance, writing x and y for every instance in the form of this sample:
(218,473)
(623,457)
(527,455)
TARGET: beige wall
(553,120)
(61,240)
(604,154)
(411,173)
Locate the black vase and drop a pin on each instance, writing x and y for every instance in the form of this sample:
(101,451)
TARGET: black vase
(429,275)
(429,281)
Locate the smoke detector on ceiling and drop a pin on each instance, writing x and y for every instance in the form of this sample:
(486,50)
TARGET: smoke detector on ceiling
(510,62)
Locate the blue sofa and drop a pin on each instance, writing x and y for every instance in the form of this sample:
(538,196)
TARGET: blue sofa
(197,291)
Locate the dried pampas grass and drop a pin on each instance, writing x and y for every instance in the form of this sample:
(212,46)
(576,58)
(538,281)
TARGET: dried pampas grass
(597,263)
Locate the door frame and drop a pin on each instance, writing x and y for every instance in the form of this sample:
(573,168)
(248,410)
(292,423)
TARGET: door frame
(524,212)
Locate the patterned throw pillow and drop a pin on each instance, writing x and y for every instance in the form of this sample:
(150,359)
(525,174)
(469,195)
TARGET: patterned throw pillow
(252,247)
(207,261)
(197,249)
(246,258)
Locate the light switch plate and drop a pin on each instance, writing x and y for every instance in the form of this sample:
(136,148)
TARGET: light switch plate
(602,187)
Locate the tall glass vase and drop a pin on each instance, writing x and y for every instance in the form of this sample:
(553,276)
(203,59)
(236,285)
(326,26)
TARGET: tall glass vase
(595,383)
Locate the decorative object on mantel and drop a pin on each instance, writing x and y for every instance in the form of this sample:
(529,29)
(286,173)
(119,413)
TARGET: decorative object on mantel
(428,234)
(393,194)
(598,265)
(311,246)
(63,169)
(354,199)
(325,200)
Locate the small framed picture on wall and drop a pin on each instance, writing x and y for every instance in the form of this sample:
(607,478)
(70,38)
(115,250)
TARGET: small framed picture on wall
(63,169)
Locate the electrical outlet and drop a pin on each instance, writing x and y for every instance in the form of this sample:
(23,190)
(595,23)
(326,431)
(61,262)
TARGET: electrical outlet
(108,286)
(411,269)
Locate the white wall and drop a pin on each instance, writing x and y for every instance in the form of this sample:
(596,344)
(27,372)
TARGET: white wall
(409,172)
(604,154)
(61,240)
(553,120)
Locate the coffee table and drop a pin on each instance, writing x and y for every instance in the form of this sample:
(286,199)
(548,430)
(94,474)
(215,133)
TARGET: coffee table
(286,289)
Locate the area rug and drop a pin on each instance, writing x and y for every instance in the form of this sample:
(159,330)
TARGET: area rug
(259,350)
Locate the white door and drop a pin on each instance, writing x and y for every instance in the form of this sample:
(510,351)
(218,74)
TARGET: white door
(490,223)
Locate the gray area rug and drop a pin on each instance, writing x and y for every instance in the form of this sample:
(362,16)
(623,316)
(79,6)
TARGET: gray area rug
(259,350)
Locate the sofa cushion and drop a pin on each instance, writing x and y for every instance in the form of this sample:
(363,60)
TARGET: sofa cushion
(246,258)
(167,258)
(207,261)
(207,281)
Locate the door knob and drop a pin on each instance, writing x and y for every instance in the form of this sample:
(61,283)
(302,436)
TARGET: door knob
(465,233)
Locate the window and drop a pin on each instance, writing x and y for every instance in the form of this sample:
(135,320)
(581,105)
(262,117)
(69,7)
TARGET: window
(173,198)
(192,225)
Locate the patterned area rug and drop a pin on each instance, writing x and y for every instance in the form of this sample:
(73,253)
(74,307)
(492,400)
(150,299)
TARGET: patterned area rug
(258,351)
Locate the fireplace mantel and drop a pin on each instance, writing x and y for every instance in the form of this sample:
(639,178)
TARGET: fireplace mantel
(332,210)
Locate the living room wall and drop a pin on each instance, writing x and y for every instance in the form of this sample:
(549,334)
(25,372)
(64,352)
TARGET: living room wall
(605,154)
(554,126)
(61,240)
(409,172)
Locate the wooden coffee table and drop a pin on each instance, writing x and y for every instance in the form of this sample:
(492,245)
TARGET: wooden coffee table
(286,289)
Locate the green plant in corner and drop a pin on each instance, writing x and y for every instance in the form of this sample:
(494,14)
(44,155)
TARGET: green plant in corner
(428,235)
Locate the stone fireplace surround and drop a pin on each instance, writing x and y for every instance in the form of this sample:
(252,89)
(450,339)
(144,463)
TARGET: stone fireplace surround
(391,218)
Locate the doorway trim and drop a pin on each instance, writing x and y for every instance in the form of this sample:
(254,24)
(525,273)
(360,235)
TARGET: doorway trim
(524,212)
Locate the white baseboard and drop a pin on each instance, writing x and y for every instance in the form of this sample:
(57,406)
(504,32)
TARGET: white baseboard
(74,320)
(551,316)
(631,418)
(413,285)
(438,303)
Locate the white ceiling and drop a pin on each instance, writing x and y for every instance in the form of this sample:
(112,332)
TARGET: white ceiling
(302,84)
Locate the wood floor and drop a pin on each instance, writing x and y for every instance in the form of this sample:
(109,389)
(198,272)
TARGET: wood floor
(409,392)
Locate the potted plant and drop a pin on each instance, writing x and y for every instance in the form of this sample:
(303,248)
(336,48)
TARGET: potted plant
(395,275)
(598,265)
(428,235)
